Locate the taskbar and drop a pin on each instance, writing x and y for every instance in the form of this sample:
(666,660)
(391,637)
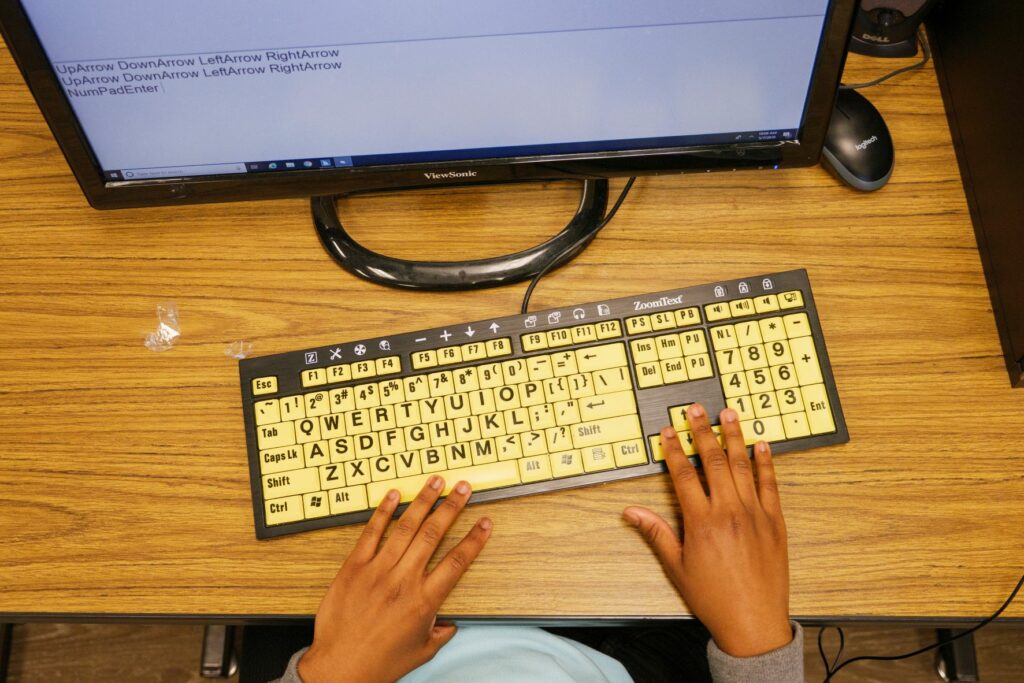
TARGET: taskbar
(335,162)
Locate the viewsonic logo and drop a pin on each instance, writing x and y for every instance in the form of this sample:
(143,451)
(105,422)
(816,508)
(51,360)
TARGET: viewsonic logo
(449,175)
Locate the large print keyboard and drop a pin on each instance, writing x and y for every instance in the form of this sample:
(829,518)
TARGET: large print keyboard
(530,403)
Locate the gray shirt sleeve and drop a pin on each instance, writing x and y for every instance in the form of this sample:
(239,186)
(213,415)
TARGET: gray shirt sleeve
(785,665)
(291,674)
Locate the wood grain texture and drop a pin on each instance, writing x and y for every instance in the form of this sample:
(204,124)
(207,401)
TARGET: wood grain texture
(123,478)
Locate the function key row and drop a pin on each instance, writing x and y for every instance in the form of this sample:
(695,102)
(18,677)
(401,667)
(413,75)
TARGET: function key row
(565,336)
(461,353)
(769,303)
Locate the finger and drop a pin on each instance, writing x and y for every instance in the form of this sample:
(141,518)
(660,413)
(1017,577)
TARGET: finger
(409,523)
(440,634)
(433,530)
(685,479)
(767,486)
(366,546)
(739,461)
(448,571)
(712,457)
(659,535)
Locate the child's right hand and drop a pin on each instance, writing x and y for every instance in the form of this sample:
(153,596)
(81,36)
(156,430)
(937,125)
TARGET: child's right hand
(731,564)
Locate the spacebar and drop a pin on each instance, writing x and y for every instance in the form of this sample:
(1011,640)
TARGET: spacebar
(480,477)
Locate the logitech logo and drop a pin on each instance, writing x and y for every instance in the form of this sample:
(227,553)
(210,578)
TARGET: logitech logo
(450,174)
(867,143)
(657,303)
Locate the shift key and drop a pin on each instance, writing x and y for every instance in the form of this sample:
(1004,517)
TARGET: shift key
(599,432)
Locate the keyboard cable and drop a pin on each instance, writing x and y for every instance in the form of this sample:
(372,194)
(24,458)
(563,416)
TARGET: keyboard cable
(575,245)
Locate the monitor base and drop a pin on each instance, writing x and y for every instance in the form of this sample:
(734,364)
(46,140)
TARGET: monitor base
(460,275)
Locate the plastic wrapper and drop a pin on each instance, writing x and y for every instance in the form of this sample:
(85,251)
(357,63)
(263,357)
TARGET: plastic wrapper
(238,349)
(167,329)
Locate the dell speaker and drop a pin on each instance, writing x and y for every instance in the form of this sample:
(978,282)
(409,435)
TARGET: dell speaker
(887,28)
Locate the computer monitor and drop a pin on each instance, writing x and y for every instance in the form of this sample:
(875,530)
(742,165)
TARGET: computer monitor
(194,101)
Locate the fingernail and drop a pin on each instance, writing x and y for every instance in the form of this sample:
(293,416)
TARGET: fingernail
(668,433)
(486,524)
(392,496)
(728,415)
(696,410)
(761,447)
(435,483)
(631,517)
(462,488)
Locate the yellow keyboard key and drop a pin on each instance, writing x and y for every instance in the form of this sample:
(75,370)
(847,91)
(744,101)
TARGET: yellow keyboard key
(644,350)
(819,412)
(566,463)
(793,299)
(480,477)
(499,347)
(729,360)
(805,358)
(539,368)
(656,451)
(339,373)
(699,366)
(598,458)
(281,460)
(595,358)
(796,425)
(348,499)
(778,352)
(677,417)
(608,430)
(741,307)
(763,429)
(267,412)
(609,329)
(742,405)
(534,341)
(535,468)
(693,342)
(717,311)
(564,363)
(748,333)
(317,403)
(449,355)
(665,320)
(316,505)
(649,375)
(388,365)
(584,333)
(668,346)
(613,379)
(275,435)
(607,405)
(765,404)
(673,371)
(474,351)
(724,337)
(772,329)
(754,356)
(784,376)
(797,325)
(291,483)
(363,369)
(283,510)
(558,338)
(638,324)
(790,400)
(766,303)
(424,359)
(735,384)
(759,380)
(687,316)
(262,386)
(629,453)
(314,378)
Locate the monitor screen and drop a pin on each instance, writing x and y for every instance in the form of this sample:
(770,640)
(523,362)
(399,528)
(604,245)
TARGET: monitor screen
(194,88)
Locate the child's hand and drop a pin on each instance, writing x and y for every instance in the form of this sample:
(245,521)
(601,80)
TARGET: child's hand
(730,565)
(377,621)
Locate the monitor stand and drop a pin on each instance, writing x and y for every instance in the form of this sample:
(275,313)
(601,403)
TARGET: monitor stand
(455,275)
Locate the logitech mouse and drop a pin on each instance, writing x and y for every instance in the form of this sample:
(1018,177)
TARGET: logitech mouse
(858,148)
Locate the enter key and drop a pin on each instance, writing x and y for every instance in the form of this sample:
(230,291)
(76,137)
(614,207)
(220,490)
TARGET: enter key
(607,405)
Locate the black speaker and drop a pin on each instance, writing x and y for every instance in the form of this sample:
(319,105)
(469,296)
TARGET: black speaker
(886,28)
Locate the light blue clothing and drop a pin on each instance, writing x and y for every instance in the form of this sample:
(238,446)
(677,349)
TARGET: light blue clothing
(528,654)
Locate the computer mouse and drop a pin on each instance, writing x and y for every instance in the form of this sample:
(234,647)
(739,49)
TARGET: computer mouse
(858,148)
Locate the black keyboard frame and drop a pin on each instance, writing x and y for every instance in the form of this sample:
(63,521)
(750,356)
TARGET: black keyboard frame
(652,403)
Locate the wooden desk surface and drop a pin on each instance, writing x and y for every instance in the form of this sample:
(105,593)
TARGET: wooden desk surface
(123,478)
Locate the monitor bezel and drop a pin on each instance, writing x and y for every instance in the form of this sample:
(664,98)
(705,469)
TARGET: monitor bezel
(31,59)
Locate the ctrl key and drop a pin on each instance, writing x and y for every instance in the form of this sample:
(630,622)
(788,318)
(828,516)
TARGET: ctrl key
(283,510)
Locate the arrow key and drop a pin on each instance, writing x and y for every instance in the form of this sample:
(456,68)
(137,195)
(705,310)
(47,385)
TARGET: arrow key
(607,405)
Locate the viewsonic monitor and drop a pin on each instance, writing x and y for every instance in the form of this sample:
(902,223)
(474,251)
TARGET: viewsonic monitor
(183,101)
